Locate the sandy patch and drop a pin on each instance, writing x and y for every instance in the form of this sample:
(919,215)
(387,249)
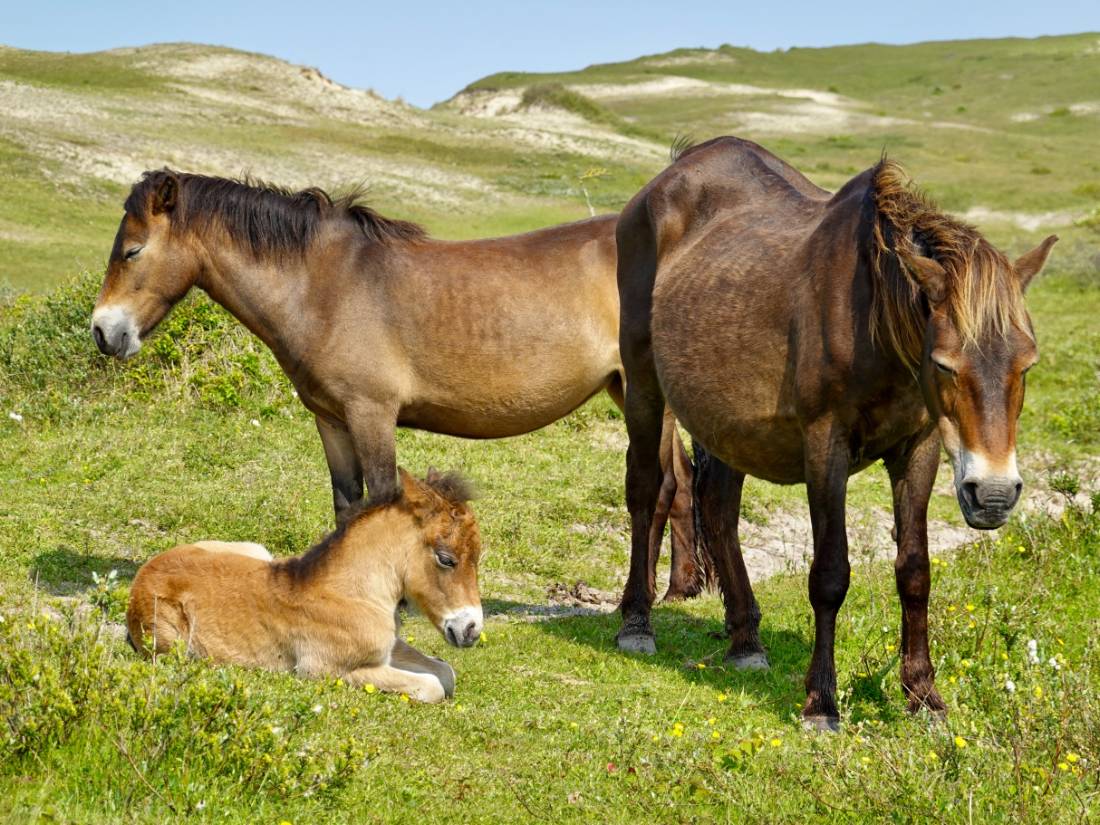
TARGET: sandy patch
(673,85)
(695,58)
(1029,221)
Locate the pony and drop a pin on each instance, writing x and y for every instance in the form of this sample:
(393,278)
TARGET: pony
(379,326)
(799,336)
(333,610)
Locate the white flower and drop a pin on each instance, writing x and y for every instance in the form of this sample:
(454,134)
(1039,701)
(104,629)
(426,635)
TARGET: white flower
(1010,686)
(200,804)
(317,708)
(1032,652)
(255,422)
(14,416)
(1054,663)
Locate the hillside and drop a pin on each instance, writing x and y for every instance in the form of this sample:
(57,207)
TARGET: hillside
(1002,131)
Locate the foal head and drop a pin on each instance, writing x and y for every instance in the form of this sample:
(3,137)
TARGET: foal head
(967,333)
(441,577)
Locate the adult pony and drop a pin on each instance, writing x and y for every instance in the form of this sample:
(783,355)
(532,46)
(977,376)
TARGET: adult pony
(379,326)
(333,610)
(799,336)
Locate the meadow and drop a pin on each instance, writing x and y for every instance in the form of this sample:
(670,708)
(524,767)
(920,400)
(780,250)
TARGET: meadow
(200,436)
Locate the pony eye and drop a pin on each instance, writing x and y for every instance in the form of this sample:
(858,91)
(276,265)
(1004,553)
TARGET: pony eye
(946,370)
(445,559)
(132,253)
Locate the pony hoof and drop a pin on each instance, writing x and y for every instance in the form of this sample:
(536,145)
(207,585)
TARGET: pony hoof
(826,724)
(750,661)
(638,643)
(446,677)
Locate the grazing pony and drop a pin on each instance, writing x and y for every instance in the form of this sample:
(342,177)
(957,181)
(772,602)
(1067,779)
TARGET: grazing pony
(334,610)
(800,336)
(379,326)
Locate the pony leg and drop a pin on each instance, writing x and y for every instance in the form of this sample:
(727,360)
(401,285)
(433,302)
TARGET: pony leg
(826,451)
(717,494)
(423,687)
(372,426)
(406,657)
(691,571)
(343,467)
(912,474)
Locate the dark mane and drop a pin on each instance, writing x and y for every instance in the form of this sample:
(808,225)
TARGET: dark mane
(264,218)
(981,295)
(452,487)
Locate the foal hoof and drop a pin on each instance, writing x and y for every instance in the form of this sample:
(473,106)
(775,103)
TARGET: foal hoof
(750,661)
(826,724)
(446,676)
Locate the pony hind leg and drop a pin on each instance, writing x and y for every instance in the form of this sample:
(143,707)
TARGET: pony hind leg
(691,571)
(717,500)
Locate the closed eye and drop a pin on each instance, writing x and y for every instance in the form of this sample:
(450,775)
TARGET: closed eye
(132,253)
(946,370)
(445,559)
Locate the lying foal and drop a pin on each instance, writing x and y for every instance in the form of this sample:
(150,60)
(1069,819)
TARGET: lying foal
(332,610)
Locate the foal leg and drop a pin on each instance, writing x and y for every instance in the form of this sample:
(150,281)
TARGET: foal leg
(343,467)
(423,687)
(717,493)
(826,487)
(912,474)
(406,657)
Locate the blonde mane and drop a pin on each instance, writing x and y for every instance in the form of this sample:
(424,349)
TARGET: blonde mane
(982,297)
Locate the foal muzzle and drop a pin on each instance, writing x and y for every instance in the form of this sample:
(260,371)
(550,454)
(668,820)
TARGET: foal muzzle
(463,628)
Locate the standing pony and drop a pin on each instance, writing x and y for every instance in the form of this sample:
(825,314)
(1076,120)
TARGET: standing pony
(800,336)
(333,610)
(378,326)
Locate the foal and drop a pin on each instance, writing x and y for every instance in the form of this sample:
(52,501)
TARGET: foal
(332,610)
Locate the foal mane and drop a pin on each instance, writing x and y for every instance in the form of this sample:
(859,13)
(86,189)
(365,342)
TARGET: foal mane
(265,218)
(981,295)
(452,487)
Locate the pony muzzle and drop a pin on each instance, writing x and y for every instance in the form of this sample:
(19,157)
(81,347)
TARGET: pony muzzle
(987,498)
(115,332)
(463,627)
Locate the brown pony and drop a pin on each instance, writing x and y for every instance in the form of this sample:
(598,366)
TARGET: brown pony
(379,326)
(800,336)
(333,610)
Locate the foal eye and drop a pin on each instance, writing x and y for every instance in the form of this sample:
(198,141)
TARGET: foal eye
(946,370)
(132,253)
(444,560)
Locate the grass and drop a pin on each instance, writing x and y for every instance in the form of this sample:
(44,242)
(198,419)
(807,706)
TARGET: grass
(200,436)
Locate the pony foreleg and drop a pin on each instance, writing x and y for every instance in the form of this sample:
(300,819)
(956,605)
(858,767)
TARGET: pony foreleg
(912,475)
(371,426)
(343,467)
(827,463)
(423,687)
(406,657)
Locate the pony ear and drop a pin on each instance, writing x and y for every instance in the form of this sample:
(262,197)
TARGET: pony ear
(1029,264)
(929,275)
(164,196)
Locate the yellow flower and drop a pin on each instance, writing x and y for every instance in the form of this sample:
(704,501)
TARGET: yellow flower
(369,688)
(933,756)
(656,737)
(715,735)
(960,743)
(677,732)
(483,638)
(890,648)
(950,608)
(404,697)
(1038,692)
(1072,757)
(722,697)
(776,742)
(1004,656)
(712,720)
(701,666)
(1063,766)
(573,725)
(970,607)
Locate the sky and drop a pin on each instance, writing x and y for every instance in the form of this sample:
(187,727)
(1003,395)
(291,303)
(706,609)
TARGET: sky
(427,51)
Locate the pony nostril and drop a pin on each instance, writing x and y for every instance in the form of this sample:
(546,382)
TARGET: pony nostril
(1017,489)
(100,339)
(471,633)
(970,494)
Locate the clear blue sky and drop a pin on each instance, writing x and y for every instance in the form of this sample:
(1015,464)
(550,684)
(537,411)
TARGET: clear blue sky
(426,51)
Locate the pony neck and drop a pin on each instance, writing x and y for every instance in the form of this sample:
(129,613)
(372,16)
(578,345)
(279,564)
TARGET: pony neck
(271,298)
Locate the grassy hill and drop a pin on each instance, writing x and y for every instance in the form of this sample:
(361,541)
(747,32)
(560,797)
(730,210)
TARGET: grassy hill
(105,464)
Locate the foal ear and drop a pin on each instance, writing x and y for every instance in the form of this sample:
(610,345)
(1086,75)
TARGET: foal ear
(164,196)
(1029,264)
(929,275)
